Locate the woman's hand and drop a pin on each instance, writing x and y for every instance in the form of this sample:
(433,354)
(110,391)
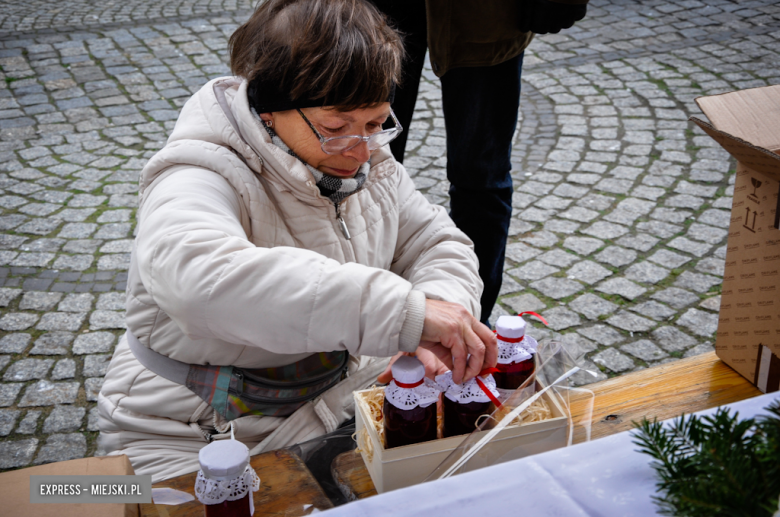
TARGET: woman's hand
(452,334)
(433,366)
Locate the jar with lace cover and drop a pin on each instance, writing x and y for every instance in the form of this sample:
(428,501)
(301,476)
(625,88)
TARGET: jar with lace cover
(410,404)
(225,480)
(465,403)
(516,353)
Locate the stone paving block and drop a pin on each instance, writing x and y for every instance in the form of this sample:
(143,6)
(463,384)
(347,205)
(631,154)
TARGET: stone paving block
(92,387)
(602,334)
(645,350)
(659,229)
(17,321)
(8,295)
(668,259)
(8,420)
(613,360)
(96,365)
(582,245)
(540,239)
(714,217)
(706,233)
(64,419)
(646,273)
(621,286)
(588,272)
(590,373)
(39,301)
(524,302)
(29,424)
(53,343)
(100,320)
(26,369)
(557,288)
(117,261)
(702,348)
(92,420)
(64,369)
(592,306)
(62,447)
(712,303)
(76,303)
(14,343)
(616,256)
(17,453)
(676,297)
(533,270)
(696,282)
(699,322)
(672,339)
(698,249)
(61,321)
(654,310)
(560,318)
(46,393)
(604,230)
(111,301)
(520,252)
(9,393)
(558,257)
(630,322)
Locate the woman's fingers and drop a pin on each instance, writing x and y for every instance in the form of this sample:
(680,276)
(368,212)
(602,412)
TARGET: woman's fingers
(452,328)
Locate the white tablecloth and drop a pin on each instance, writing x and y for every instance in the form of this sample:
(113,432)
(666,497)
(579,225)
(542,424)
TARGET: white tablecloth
(605,477)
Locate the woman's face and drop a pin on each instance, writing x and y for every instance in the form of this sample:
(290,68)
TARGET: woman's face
(296,133)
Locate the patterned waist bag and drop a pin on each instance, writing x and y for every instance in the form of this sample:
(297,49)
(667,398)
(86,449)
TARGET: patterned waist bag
(235,392)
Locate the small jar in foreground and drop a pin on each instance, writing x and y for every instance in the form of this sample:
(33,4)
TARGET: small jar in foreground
(410,405)
(226,481)
(465,403)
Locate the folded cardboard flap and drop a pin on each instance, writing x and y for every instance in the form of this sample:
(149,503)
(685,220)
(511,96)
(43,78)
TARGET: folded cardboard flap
(15,488)
(751,115)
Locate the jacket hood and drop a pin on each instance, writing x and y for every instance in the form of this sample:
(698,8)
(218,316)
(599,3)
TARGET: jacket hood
(217,130)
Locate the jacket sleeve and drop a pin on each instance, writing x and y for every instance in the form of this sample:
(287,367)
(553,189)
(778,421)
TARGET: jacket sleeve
(432,253)
(196,262)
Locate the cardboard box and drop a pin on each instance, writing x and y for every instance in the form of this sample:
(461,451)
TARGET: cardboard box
(15,489)
(747,125)
(408,465)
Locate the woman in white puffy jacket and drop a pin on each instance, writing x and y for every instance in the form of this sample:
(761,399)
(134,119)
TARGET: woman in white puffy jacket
(282,255)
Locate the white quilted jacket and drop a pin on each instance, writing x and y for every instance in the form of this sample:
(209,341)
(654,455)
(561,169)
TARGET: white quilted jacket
(240,261)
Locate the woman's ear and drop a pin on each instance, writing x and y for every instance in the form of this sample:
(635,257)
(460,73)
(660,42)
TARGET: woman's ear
(268,118)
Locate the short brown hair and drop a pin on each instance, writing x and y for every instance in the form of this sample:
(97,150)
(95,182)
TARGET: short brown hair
(328,52)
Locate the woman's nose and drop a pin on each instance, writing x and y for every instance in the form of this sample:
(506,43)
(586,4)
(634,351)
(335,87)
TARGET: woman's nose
(360,152)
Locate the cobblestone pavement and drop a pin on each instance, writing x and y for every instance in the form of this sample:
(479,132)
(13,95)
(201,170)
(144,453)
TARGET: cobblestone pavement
(621,205)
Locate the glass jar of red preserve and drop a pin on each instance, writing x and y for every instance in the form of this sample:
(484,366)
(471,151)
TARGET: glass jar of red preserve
(410,405)
(226,481)
(516,353)
(465,403)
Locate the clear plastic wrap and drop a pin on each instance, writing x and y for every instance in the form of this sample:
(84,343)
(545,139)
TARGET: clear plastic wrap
(551,380)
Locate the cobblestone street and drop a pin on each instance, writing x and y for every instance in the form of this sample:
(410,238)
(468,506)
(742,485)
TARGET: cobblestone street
(621,206)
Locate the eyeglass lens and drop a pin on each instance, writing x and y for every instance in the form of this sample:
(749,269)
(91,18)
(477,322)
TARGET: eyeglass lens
(374,142)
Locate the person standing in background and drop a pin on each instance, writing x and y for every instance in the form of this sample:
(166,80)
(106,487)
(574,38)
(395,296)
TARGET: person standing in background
(476,49)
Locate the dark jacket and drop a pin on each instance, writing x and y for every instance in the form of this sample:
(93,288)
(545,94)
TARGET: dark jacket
(475,32)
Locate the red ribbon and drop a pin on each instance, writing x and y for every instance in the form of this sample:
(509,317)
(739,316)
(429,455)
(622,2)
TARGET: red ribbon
(485,389)
(404,385)
(535,314)
(509,339)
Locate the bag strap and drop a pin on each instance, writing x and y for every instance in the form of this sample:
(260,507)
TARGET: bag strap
(162,365)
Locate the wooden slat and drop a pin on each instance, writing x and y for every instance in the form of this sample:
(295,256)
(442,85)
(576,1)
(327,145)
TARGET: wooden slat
(661,392)
(286,488)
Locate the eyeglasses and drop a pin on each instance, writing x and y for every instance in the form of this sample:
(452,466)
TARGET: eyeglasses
(339,144)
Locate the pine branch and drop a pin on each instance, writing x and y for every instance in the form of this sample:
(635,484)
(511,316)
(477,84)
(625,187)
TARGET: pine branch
(715,465)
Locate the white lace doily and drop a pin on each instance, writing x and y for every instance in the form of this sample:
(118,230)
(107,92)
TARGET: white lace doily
(214,491)
(409,398)
(467,392)
(516,352)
